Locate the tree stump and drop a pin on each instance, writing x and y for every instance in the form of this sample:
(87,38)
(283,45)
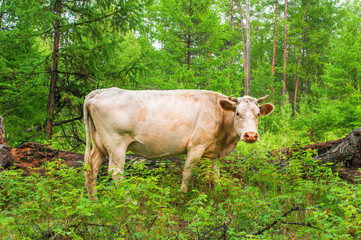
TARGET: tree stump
(6,158)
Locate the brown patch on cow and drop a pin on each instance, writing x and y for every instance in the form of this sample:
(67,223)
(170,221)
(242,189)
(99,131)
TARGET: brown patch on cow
(174,127)
(201,135)
(142,115)
(211,150)
(165,117)
(177,125)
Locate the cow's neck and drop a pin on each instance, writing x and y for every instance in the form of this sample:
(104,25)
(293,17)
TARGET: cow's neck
(228,137)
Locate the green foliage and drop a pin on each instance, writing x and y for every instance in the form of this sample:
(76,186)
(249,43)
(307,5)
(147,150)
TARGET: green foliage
(302,200)
(146,45)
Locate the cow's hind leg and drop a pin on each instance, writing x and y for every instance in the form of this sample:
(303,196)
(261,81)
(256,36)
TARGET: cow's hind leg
(91,174)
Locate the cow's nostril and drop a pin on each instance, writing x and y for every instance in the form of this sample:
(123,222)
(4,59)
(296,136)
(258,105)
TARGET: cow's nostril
(250,136)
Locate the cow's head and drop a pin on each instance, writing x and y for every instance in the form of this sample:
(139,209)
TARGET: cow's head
(247,112)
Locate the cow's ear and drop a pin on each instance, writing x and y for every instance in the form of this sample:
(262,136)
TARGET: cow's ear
(228,105)
(266,109)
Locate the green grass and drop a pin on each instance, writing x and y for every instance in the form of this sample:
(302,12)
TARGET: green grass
(252,195)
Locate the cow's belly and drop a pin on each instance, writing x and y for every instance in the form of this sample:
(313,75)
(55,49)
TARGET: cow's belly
(153,151)
(157,140)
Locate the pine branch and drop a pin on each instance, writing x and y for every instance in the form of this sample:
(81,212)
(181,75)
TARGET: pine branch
(94,20)
(76,24)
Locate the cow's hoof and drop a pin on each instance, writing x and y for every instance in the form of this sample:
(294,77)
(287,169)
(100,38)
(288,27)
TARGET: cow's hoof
(183,189)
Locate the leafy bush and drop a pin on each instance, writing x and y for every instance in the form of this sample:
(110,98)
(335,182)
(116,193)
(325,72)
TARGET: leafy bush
(253,198)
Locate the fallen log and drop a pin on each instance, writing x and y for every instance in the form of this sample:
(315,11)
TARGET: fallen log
(343,155)
(347,152)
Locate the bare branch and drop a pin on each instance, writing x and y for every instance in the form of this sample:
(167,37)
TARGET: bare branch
(38,128)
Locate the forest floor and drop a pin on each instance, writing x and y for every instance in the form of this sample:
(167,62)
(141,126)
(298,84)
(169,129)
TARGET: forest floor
(31,156)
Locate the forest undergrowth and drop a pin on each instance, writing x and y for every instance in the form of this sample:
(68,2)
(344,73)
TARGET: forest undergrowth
(253,199)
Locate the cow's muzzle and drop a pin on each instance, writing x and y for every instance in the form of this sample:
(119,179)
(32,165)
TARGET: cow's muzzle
(250,137)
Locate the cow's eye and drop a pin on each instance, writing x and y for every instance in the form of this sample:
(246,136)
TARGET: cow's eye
(237,113)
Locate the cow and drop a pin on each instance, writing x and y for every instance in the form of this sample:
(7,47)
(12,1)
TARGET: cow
(156,124)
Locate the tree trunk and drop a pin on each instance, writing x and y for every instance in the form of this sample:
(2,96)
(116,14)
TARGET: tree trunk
(189,37)
(244,47)
(54,74)
(6,158)
(284,89)
(232,26)
(299,62)
(298,75)
(182,45)
(208,59)
(355,71)
(248,87)
(1,13)
(2,132)
(274,41)
(232,18)
(306,80)
(231,42)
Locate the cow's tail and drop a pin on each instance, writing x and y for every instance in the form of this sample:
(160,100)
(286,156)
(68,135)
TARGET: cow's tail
(87,122)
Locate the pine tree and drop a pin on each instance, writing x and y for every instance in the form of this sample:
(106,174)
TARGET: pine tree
(71,42)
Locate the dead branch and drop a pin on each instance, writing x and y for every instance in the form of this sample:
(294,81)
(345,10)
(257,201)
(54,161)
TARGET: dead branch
(38,128)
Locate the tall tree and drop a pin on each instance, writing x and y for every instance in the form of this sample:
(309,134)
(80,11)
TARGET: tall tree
(299,60)
(284,89)
(1,13)
(274,41)
(189,53)
(243,46)
(232,27)
(248,86)
(54,72)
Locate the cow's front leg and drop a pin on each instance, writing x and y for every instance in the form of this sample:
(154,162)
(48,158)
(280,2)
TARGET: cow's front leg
(117,162)
(193,154)
(216,171)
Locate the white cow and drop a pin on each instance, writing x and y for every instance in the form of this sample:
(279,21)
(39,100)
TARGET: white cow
(156,124)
